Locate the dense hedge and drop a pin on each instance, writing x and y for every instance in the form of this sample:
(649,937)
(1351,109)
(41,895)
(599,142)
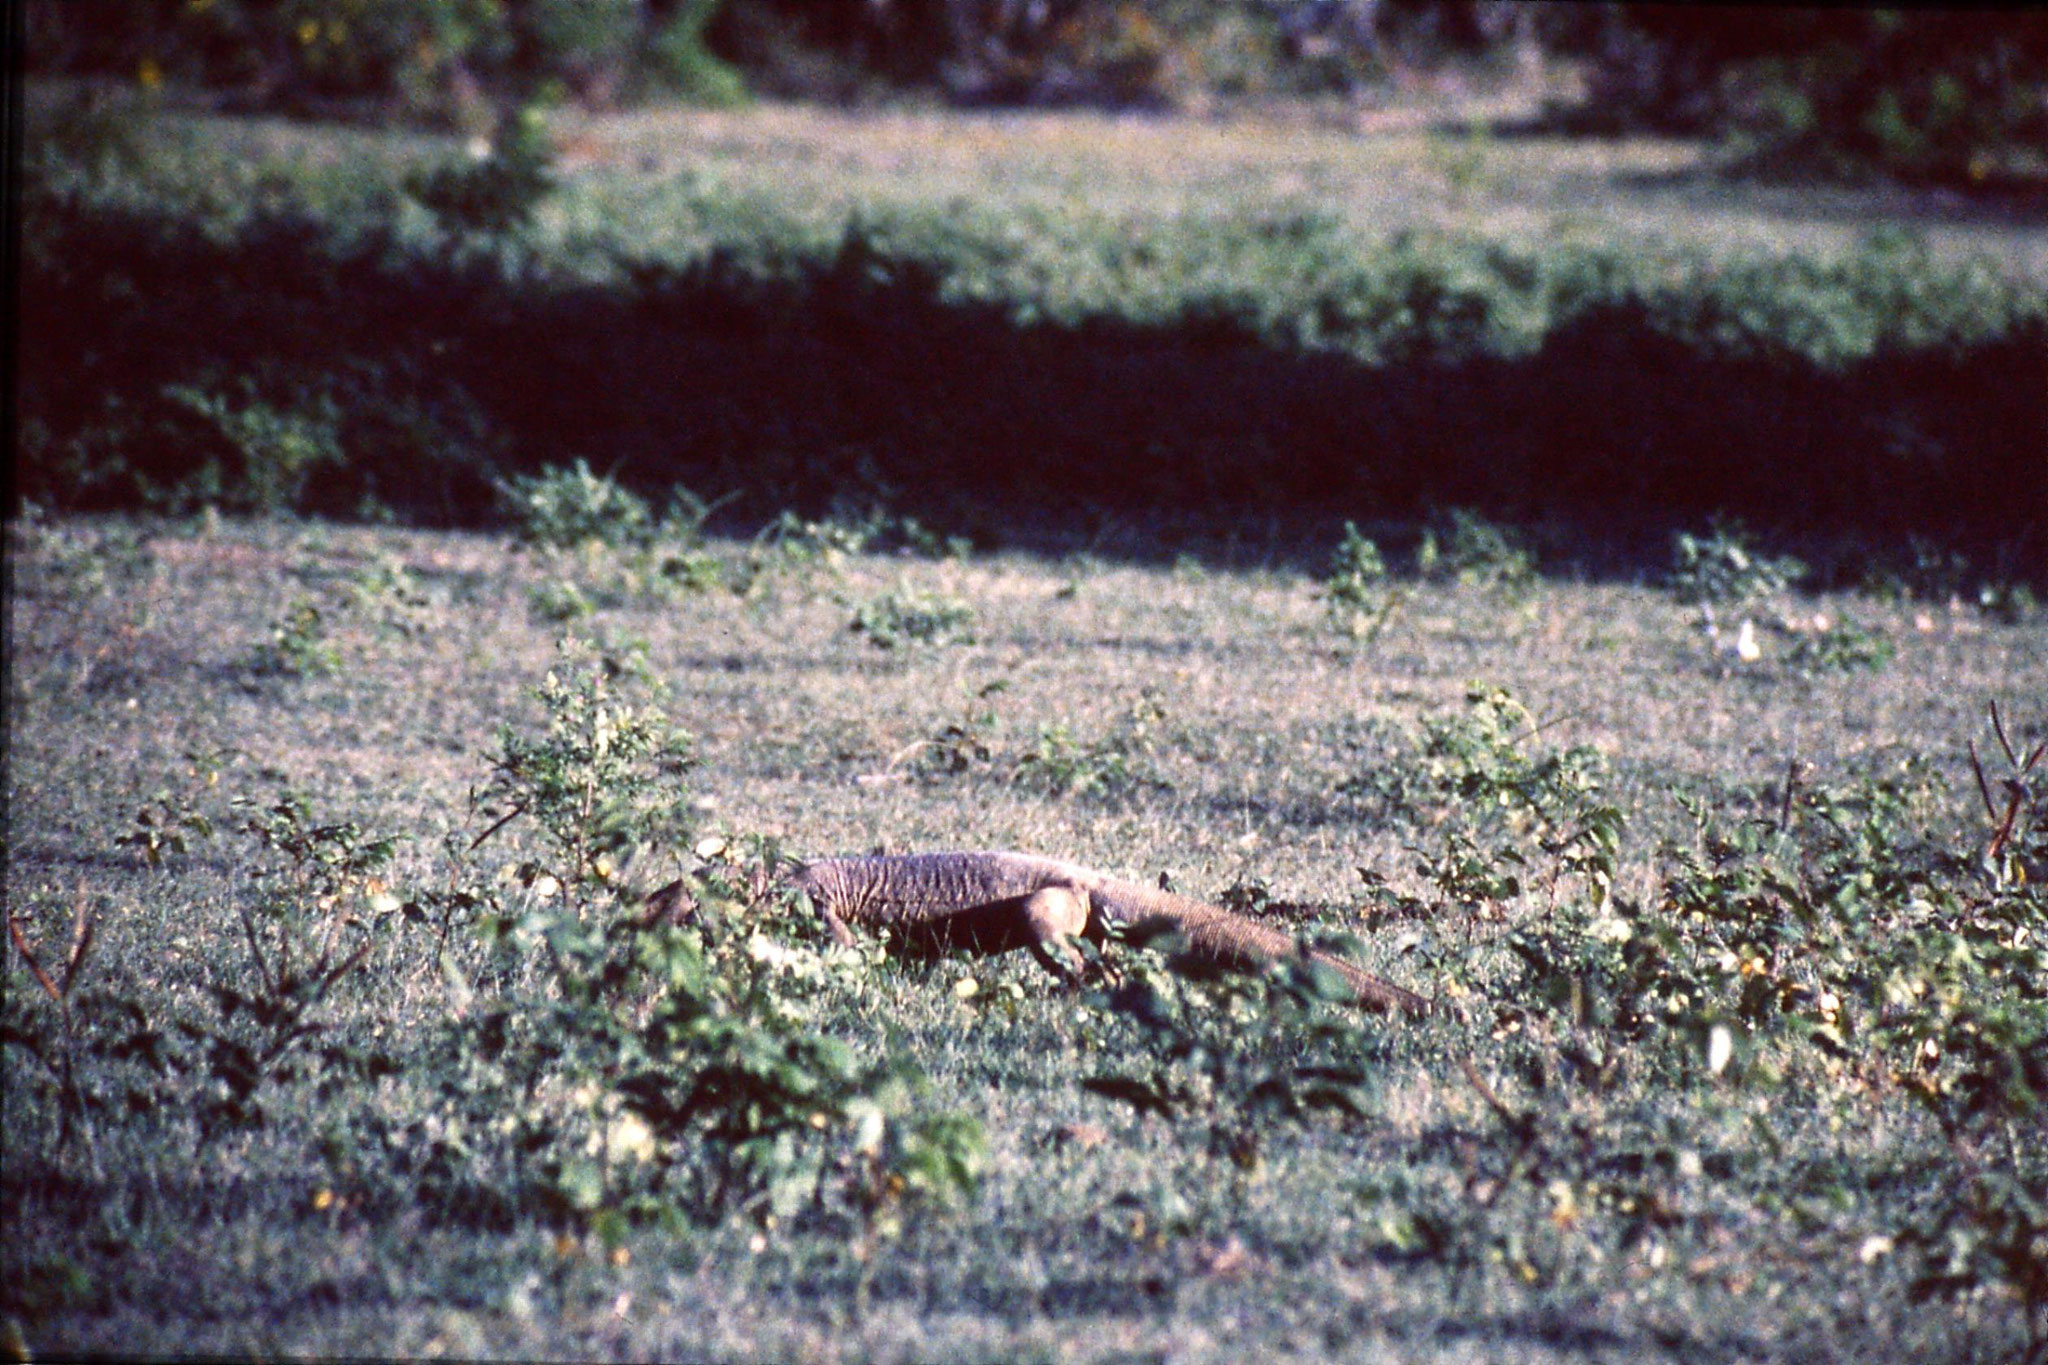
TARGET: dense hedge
(998,365)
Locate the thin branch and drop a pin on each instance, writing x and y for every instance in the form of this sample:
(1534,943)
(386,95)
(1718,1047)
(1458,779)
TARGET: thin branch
(1493,1101)
(1983,786)
(21,945)
(1791,787)
(1998,728)
(510,816)
(81,939)
(2005,828)
(263,965)
(1541,726)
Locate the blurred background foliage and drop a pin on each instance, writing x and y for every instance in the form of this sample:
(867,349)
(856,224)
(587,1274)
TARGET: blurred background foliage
(1942,95)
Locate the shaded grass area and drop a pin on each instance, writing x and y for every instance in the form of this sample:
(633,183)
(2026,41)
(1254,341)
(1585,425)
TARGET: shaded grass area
(1642,1209)
(973,365)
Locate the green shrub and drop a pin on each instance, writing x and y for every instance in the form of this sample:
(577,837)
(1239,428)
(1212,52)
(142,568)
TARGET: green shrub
(1243,1055)
(1841,646)
(1723,568)
(683,64)
(1922,94)
(965,744)
(1111,765)
(1356,588)
(496,193)
(665,1071)
(906,615)
(298,646)
(603,778)
(274,452)
(569,508)
(1463,546)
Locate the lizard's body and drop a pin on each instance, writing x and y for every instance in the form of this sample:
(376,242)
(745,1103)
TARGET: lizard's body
(993,902)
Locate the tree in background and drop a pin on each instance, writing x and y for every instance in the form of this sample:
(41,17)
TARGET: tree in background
(432,60)
(1939,94)
(1949,95)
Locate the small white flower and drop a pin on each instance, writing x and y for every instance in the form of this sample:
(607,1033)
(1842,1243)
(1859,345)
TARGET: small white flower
(1720,1048)
(870,1125)
(1612,929)
(630,1135)
(769,953)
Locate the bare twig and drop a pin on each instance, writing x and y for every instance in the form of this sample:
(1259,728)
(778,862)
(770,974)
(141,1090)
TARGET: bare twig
(81,939)
(510,816)
(2005,827)
(1493,1100)
(1998,728)
(2016,790)
(1791,788)
(35,969)
(1983,786)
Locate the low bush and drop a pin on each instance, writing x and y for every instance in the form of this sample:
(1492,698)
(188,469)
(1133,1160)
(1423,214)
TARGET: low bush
(1013,359)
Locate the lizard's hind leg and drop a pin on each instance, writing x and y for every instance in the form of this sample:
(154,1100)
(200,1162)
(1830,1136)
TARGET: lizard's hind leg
(1046,921)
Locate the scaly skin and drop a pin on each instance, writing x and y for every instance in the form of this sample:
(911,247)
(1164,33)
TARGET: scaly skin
(993,902)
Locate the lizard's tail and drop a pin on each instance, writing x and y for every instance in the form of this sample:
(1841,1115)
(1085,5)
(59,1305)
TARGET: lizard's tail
(1373,993)
(1219,935)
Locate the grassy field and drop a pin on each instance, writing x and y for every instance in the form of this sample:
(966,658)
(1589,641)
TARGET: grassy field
(333,1025)
(1424,170)
(1209,724)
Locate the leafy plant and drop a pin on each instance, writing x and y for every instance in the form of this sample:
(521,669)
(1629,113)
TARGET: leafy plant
(569,508)
(497,192)
(686,65)
(1841,647)
(1111,765)
(2012,603)
(964,744)
(314,914)
(276,451)
(1477,761)
(165,823)
(603,545)
(389,595)
(1360,598)
(298,646)
(1925,572)
(1467,548)
(1724,568)
(603,778)
(559,600)
(906,615)
(1245,1052)
(65,561)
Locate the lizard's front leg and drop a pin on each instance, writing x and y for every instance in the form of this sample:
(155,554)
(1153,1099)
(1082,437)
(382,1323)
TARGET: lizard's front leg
(1054,916)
